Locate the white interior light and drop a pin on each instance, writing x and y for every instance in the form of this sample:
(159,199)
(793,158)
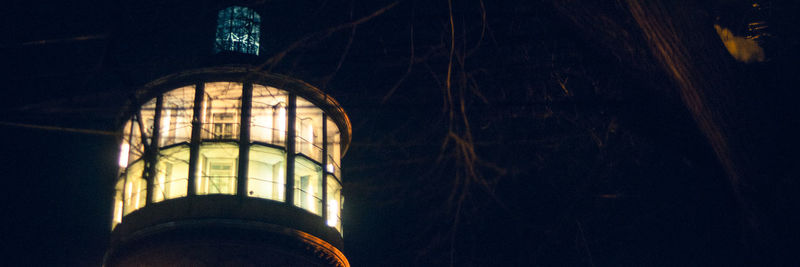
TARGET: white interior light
(124,149)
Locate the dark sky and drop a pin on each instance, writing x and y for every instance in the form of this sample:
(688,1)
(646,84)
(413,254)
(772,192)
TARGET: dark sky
(561,139)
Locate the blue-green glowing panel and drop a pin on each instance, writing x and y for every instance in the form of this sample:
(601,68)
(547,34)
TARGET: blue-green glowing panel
(238,30)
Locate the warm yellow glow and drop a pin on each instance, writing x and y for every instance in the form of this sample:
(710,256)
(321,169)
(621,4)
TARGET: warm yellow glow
(265,174)
(281,124)
(128,190)
(118,212)
(741,48)
(205,107)
(172,173)
(118,204)
(165,131)
(217,166)
(217,163)
(124,149)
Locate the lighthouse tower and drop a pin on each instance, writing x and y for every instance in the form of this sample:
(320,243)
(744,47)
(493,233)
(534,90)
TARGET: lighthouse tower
(224,164)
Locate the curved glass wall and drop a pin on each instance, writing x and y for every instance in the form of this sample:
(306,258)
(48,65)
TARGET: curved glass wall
(213,149)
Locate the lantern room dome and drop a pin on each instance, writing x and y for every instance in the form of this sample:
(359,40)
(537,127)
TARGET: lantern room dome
(226,150)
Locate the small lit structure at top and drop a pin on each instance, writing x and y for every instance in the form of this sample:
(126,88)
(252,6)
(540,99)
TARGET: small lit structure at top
(238,30)
(222,154)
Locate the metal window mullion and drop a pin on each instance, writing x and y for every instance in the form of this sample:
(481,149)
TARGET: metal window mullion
(244,139)
(194,143)
(324,169)
(290,133)
(152,153)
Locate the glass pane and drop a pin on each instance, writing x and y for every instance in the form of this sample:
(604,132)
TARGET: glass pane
(238,30)
(268,121)
(221,109)
(308,130)
(176,116)
(135,188)
(334,148)
(125,147)
(308,185)
(118,190)
(217,166)
(138,136)
(172,173)
(333,203)
(266,173)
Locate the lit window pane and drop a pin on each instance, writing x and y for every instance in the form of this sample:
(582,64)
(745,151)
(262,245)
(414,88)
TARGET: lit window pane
(176,116)
(135,188)
(218,163)
(266,173)
(238,30)
(221,110)
(127,139)
(172,173)
(334,148)
(118,193)
(268,121)
(308,185)
(333,203)
(124,149)
(308,130)
(138,135)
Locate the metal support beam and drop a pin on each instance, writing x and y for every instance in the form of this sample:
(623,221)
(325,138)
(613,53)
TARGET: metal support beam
(151,154)
(324,168)
(194,144)
(244,140)
(290,133)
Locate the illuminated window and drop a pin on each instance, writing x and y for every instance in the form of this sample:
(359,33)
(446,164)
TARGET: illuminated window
(308,185)
(333,145)
(118,193)
(266,173)
(127,135)
(218,163)
(135,188)
(317,140)
(221,110)
(176,116)
(124,151)
(268,121)
(238,30)
(172,173)
(308,129)
(138,137)
(334,203)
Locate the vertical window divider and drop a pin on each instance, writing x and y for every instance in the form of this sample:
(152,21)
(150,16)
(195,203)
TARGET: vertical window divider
(324,169)
(290,143)
(152,153)
(244,139)
(194,143)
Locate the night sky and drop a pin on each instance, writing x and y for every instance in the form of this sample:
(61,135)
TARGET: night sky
(485,133)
